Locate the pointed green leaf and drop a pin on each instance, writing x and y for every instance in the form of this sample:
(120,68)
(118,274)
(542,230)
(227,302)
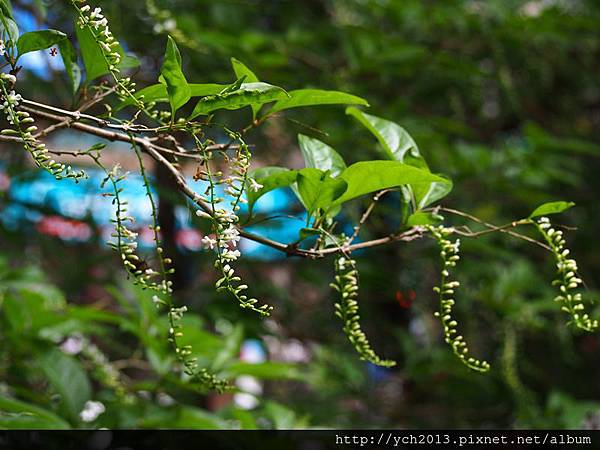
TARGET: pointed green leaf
(319,155)
(249,94)
(551,208)
(315,97)
(398,145)
(393,138)
(371,176)
(39,40)
(178,90)
(241,70)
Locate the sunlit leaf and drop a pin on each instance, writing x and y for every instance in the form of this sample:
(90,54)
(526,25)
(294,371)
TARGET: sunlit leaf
(315,97)
(551,208)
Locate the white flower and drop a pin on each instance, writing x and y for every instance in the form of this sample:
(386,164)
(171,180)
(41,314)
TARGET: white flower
(72,345)
(209,242)
(91,411)
(2,47)
(254,185)
(230,255)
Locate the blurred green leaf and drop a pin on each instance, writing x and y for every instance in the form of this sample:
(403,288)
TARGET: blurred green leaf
(15,414)
(266,371)
(69,379)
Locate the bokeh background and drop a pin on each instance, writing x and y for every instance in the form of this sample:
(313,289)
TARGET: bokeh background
(501,95)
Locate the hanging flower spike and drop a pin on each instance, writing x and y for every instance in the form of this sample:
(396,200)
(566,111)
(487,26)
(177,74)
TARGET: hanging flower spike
(224,221)
(449,254)
(346,283)
(23,127)
(567,281)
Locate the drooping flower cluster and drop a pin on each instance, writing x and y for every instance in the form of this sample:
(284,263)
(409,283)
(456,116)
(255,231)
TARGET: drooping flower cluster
(224,226)
(346,283)
(449,254)
(568,281)
(184,353)
(126,239)
(23,127)
(109,46)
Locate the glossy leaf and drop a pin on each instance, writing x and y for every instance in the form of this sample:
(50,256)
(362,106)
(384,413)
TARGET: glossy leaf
(394,139)
(398,145)
(315,97)
(318,190)
(271,178)
(319,155)
(371,176)
(249,94)
(551,208)
(68,378)
(39,40)
(177,86)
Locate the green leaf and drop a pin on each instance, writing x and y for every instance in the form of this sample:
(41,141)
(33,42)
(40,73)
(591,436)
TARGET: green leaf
(39,40)
(423,218)
(249,94)
(271,178)
(426,194)
(67,377)
(93,59)
(267,370)
(319,155)
(398,145)
(158,93)
(394,139)
(314,97)
(318,190)
(551,208)
(241,70)
(6,9)
(15,414)
(371,176)
(178,90)
(9,30)
(69,57)
(230,348)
